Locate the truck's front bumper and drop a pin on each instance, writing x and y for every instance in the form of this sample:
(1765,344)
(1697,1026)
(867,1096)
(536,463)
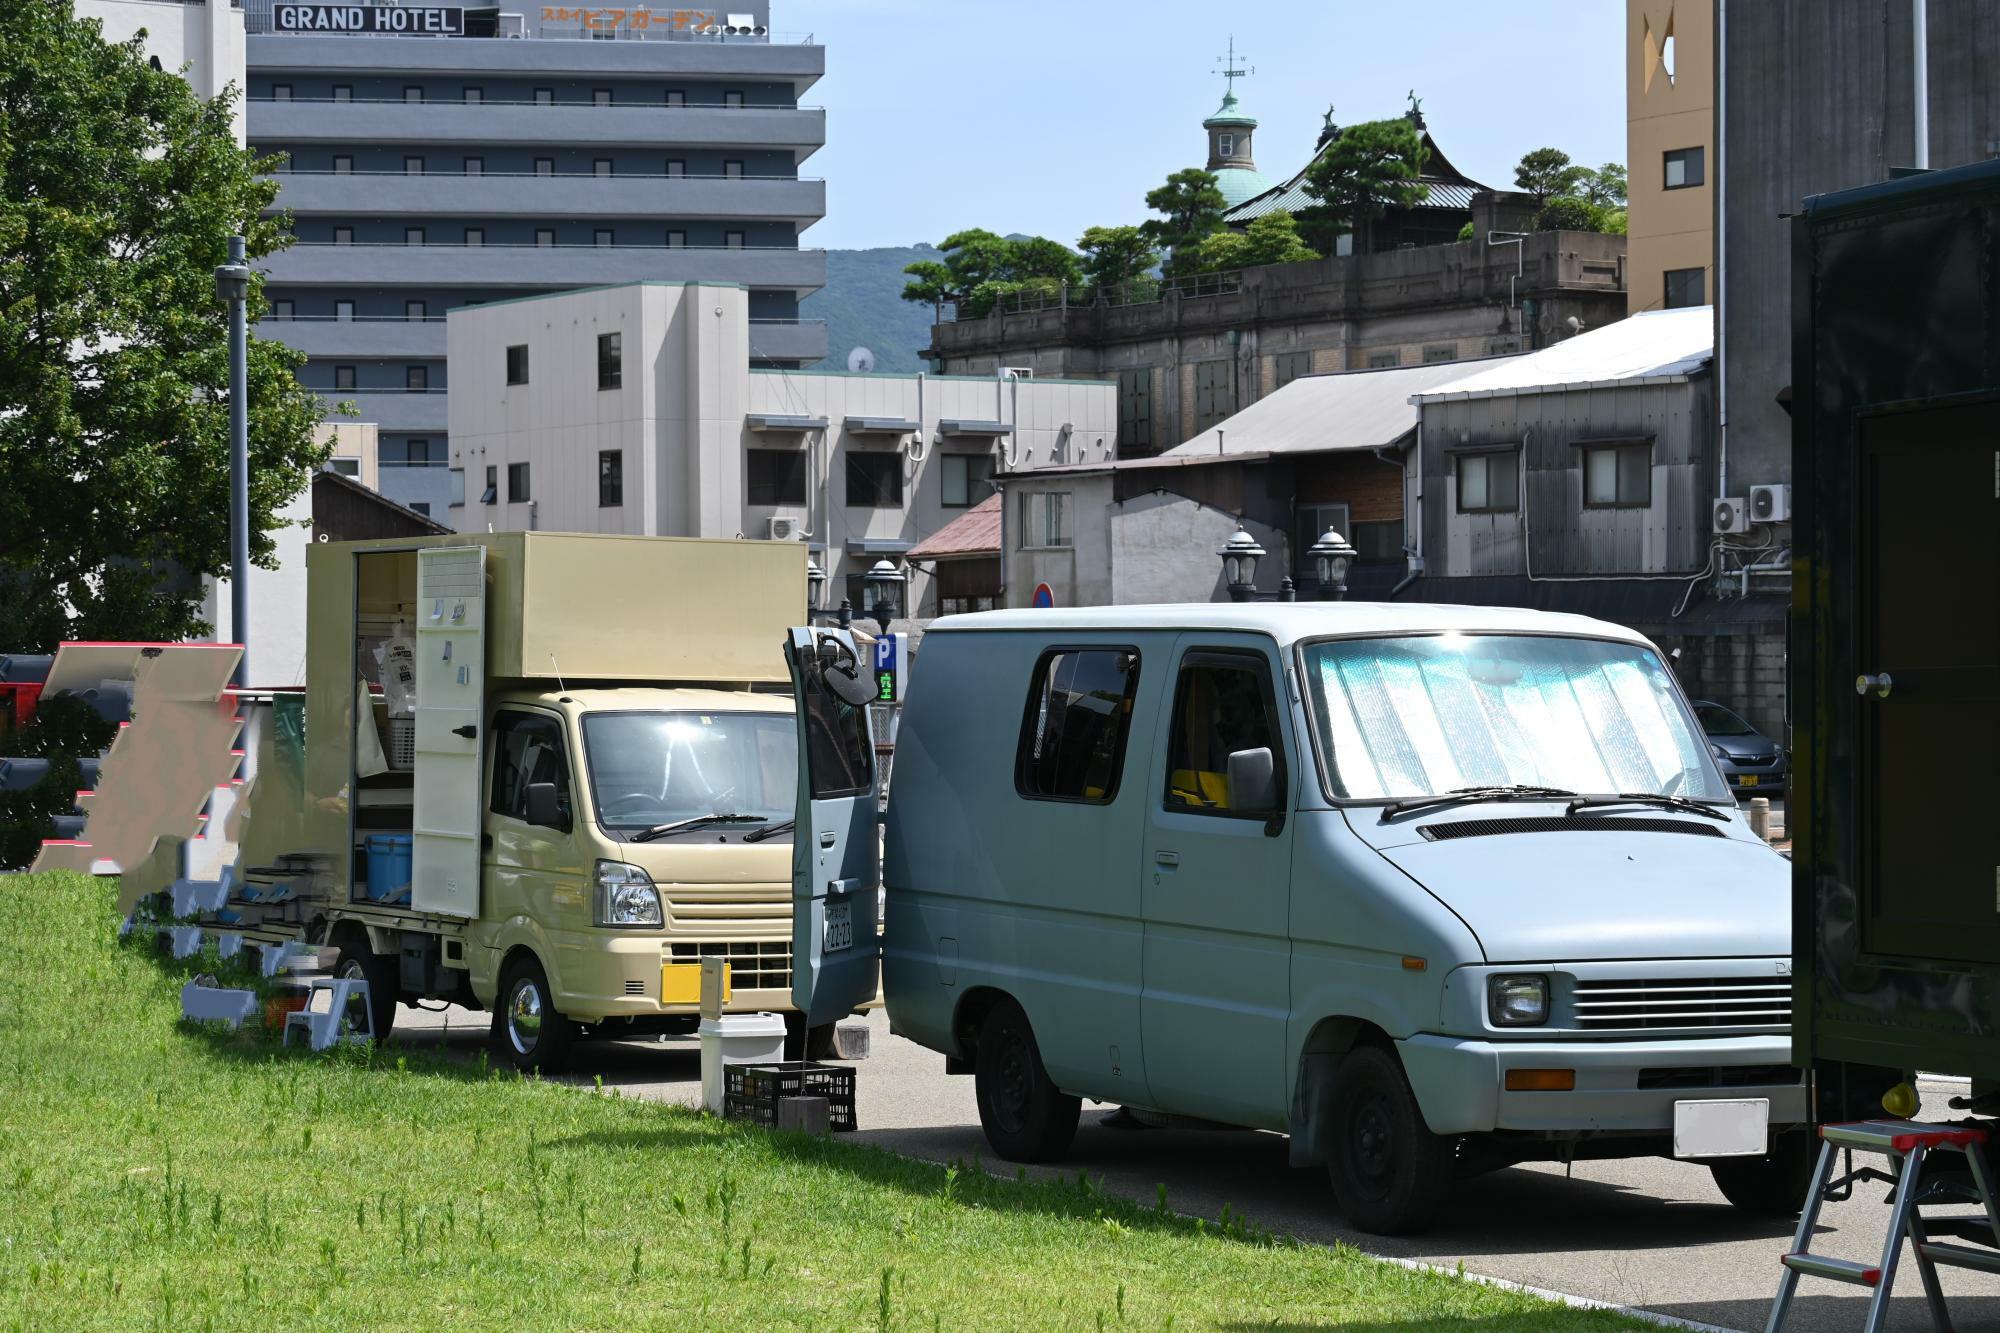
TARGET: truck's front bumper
(1624,1087)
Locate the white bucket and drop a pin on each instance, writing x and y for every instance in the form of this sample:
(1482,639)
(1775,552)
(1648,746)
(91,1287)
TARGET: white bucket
(736,1039)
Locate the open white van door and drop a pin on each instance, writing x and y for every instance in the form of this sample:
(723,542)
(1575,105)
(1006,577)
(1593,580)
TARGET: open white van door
(451,709)
(836,849)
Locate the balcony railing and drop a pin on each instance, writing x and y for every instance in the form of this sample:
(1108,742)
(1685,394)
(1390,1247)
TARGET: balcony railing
(274,318)
(515,101)
(1062,296)
(565,175)
(559,245)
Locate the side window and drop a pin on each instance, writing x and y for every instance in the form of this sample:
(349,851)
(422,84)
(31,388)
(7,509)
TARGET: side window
(1223,704)
(1079,714)
(840,754)
(527,748)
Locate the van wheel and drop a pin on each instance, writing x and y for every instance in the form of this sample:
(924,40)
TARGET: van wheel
(1773,1185)
(1025,1117)
(1390,1174)
(527,1030)
(807,1043)
(383,975)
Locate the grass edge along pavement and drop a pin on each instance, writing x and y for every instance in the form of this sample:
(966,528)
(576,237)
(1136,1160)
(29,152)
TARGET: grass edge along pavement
(155,1172)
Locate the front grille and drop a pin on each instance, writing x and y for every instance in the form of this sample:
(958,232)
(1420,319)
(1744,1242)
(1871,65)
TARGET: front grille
(1720,1076)
(1754,761)
(1610,1004)
(635,987)
(753,964)
(1486,828)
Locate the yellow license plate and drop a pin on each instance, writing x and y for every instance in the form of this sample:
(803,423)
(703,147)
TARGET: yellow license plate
(680,983)
(1748,779)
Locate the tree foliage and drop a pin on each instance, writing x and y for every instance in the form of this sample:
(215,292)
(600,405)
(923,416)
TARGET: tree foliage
(1112,255)
(1366,170)
(118,190)
(1546,173)
(1605,187)
(980,267)
(1190,205)
(1270,239)
(1570,213)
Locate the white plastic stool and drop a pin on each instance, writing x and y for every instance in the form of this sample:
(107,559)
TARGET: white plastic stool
(325,1015)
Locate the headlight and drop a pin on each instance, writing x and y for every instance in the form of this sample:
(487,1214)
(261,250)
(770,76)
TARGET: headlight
(626,896)
(1718,752)
(1517,1002)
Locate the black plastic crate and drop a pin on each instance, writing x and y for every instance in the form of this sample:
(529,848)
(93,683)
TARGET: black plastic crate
(752,1092)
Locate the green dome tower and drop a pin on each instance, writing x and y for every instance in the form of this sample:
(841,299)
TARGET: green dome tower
(1229,131)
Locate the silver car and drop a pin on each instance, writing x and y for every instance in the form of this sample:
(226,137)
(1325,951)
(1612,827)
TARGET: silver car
(1749,760)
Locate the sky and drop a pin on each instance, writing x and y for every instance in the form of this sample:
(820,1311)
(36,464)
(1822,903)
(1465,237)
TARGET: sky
(1046,119)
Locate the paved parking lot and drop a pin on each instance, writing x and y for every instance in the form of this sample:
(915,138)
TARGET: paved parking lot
(1653,1234)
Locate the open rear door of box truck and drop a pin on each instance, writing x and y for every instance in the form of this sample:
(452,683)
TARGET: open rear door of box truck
(450,714)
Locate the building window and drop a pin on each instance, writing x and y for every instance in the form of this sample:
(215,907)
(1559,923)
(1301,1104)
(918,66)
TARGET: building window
(732,97)
(343,165)
(1074,728)
(1214,392)
(545,166)
(1489,483)
(775,477)
(475,166)
(545,237)
(343,377)
(600,97)
(1308,522)
(1385,360)
(676,167)
(732,240)
(1377,543)
(1225,145)
(475,236)
(517,483)
(604,236)
(610,478)
(1437,352)
(732,170)
(1223,705)
(457,488)
(545,97)
(420,507)
(602,166)
(675,97)
(281,92)
(517,364)
(1044,519)
(474,96)
(874,481)
(1288,366)
(1135,409)
(343,92)
(281,310)
(415,310)
(417,379)
(419,452)
(610,360)
(1686,167)
(343,310)
(1686,287)
(967,479)
(346,467)
(677,240)
(1618,476)
(1502,346)
(492,492)
(413,166)
(412,93)
(413,236)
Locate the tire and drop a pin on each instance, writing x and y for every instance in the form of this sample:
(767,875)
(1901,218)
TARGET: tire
(527,1031)
(804,1043)
(1390,1174)
(383,975)
(1773,1185)
(1025,1117)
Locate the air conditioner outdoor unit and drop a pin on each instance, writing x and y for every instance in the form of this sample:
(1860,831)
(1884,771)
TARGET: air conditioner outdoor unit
(1732,515)
(783,529)
(1770,504)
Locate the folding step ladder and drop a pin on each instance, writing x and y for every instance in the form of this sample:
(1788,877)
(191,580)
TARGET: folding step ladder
(1907,1144)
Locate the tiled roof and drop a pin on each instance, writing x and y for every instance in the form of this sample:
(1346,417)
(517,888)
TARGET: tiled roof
(1449,188)
(975,532)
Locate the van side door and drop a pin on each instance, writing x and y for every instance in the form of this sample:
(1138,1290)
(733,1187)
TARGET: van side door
(1216,878)
(535,870)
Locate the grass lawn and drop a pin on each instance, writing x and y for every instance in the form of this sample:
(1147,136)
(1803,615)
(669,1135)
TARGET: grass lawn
(155,1174)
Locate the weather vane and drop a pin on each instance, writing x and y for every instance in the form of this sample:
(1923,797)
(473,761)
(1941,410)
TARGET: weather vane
(1229,71)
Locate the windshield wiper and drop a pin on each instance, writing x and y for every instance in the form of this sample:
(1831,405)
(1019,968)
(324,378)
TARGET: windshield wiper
(699,821)
(1682,803)
(770,830)
(1516,792)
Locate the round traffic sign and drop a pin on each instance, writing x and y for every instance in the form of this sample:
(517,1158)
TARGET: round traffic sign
(1045,596)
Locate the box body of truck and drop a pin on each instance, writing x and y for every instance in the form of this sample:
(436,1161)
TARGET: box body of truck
(1895,634)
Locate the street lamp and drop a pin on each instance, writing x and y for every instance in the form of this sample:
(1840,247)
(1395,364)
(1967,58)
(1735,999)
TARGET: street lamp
(1240,555)
(883,585)
(1331,555)
(232,288)
(815,586)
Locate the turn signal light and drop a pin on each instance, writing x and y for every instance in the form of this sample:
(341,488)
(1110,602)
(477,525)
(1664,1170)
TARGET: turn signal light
(1541,1080)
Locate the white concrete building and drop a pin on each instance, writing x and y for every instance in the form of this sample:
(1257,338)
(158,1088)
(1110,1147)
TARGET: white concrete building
(633,409)
(202,40)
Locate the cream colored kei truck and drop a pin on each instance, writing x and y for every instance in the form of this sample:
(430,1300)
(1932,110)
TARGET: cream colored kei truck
(597,794)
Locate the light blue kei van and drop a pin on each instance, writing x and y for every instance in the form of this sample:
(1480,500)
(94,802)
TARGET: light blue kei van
(1430,889)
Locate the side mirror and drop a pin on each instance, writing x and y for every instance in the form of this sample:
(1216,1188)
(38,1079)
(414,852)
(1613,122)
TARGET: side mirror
(840,672)
(545,808)
(1253,782)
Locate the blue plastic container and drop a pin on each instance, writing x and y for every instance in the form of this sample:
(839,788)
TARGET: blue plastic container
(389,867)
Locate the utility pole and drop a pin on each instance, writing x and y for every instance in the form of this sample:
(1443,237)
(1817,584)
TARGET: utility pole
(232,286)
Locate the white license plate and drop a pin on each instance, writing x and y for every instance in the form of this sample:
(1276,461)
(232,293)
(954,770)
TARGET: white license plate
(1739,1128)
(839,932)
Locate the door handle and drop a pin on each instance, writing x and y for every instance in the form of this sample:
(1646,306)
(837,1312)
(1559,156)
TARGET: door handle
(1168,859)
(827,839)
(1880,684)
(842,886)
(468,731)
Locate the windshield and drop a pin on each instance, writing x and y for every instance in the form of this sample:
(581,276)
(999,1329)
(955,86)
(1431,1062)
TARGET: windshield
(648,769)
(1425,716)
(1719,721)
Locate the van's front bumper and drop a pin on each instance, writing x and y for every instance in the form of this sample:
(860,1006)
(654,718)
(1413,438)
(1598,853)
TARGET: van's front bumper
(1623,1087)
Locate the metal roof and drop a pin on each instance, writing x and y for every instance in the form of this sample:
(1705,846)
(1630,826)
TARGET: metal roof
(974,532)
(1288,622)
(1654,347)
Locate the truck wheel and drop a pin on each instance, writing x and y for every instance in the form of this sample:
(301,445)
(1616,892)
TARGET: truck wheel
(527,1030)
(1390,1174)
(804,1043)
(383,975)
(1025,1117)
(1773,1185)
